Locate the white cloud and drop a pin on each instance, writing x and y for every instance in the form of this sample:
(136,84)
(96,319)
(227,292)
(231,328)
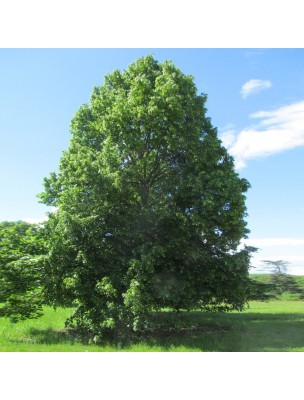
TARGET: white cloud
(30,220)
(254,86)
(274,242)
(38,220)
(288,249)
(228,138)
(279,130)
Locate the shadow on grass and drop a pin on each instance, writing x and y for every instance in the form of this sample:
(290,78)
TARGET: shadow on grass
(223,332)
(53,336)
(236,332)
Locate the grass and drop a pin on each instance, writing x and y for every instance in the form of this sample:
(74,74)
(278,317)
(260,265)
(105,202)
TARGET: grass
(266,278)
(276,325)
(284,287)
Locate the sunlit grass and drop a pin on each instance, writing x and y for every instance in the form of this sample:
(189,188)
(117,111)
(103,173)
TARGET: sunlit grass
(264,326)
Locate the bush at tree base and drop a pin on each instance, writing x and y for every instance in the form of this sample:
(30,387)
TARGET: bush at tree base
(22,256)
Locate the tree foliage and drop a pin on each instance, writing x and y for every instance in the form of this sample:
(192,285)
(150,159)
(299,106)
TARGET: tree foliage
(150,211)
(22,254)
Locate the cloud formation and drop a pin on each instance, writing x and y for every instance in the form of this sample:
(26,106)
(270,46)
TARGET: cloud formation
(254,86)
(278,130)
(274,242)
(289,249)
(30,220)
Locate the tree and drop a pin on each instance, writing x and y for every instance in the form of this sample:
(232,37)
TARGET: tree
(278,267)
(150,211)
(281,281)
(22,252)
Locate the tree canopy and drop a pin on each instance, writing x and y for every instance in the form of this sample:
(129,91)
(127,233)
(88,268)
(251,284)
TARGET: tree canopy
(150,211)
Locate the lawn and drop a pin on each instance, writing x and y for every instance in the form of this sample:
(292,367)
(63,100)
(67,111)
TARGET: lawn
(276,325)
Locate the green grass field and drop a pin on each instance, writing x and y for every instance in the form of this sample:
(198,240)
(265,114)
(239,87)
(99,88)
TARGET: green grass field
(276,325)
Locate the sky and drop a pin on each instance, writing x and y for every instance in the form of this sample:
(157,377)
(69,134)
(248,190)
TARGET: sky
(226,51)
(255,99)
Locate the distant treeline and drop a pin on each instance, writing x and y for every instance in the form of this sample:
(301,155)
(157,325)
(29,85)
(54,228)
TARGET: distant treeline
(277,286)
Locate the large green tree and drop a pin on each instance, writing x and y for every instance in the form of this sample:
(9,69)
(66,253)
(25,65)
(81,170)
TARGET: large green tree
(150,211)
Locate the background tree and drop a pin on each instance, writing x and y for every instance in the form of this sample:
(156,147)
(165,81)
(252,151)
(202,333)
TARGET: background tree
(150,209)
(277,267)
(281,281)
(22,252)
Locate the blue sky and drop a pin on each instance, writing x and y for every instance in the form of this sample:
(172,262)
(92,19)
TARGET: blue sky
(255,99)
